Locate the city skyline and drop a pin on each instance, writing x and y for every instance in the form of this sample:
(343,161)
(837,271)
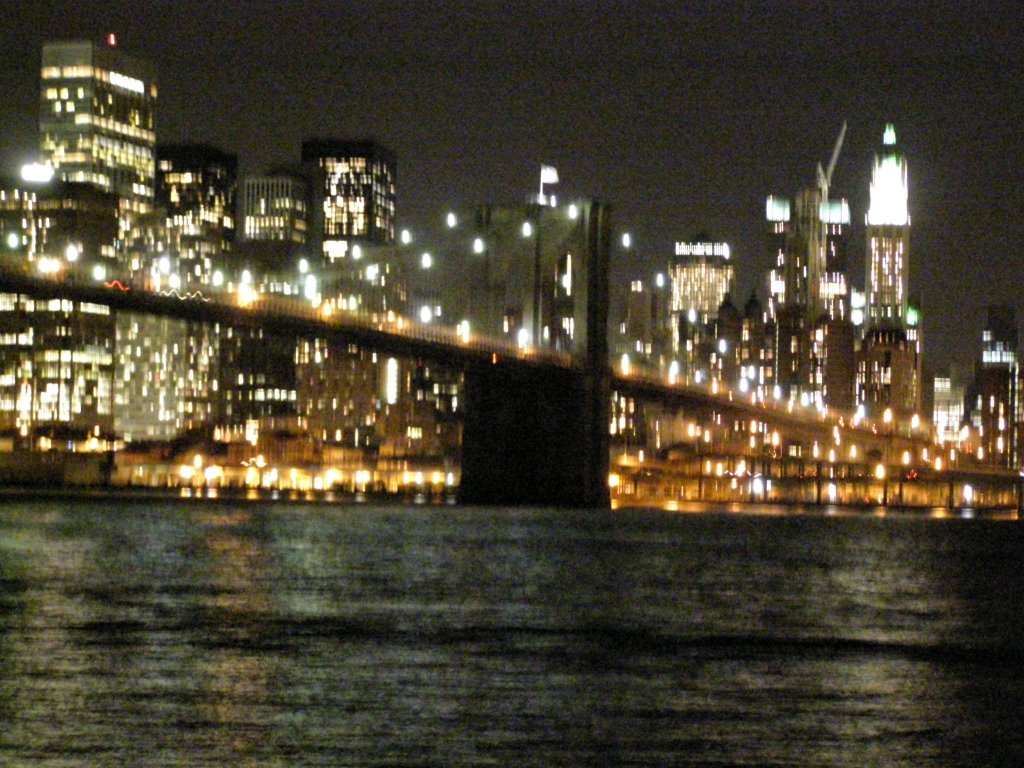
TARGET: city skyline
(683,121)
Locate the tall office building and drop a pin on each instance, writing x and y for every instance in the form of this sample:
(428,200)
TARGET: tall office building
(888,237)
(353,194)
(808,295)
(56,354)
(196,186)
(889,364)
(700,275)
(97,120)
(995,401)
(275,207)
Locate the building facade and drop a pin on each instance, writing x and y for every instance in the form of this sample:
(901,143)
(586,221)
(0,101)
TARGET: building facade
(97,120)
(353,194)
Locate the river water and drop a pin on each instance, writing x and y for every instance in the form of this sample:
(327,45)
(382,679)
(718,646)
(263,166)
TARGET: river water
(166,633)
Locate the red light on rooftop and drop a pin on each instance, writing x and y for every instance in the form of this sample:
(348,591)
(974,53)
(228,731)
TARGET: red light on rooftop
(112,40)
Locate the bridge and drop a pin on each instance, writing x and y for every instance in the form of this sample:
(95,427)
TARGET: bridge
(536,420)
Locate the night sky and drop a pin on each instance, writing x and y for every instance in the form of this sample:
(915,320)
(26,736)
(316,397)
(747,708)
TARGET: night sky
(683,115)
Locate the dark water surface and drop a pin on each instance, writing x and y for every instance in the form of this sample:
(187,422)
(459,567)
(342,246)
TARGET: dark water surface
(266,634)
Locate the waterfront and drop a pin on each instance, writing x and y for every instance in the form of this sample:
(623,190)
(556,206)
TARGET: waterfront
(159,632)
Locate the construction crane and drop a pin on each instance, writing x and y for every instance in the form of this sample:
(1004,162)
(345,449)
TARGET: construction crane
(825,177)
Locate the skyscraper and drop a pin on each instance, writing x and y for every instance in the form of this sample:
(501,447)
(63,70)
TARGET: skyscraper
(97,119)
(700,276)
(353,194)
(995,402)
(196,186)
(808,292)
(888,238)
(275,207)
(889,362)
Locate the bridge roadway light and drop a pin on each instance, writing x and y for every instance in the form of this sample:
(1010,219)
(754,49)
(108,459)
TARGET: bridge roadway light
(405,237)
(426,261)
(627,240)
(13,240)
(478,245)
(574,212)
(451,220)
(99,273)
(527,229)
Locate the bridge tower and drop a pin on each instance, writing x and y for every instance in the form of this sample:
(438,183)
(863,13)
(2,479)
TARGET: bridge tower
(539,434)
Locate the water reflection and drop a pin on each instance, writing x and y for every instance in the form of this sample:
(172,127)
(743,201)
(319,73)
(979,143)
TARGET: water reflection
(266,634)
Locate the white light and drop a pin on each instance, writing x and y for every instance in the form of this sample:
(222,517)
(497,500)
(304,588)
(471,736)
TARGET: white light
(426,261)
(175,282)
(128,83)
(626,240)
(722,346)
(165,265)
(968,494)
(691,316)
(246,276)
(36,173)
(478,245)
(391,381)
(452,221)
(357,252)
(624,365)
(218,279)
(13,241)
(309,290)
(889,189)
(777,392)
(744,385)
(659,280)
(425,314)
(574,212)
(406,237)
(303,266)
(527,229)
(99,273)
(372,272)
(523,337)
(698,377)
(71,253)
(673,371)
